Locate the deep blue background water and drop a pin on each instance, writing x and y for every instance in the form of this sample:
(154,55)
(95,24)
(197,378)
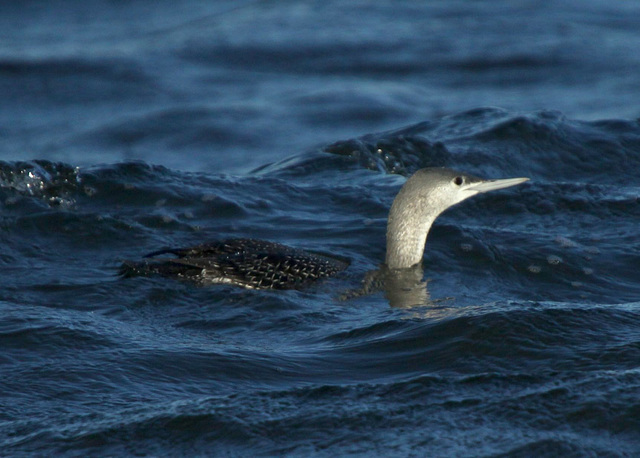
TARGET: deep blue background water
(126,127)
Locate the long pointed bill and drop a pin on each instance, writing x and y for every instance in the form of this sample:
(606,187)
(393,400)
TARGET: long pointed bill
(492,185)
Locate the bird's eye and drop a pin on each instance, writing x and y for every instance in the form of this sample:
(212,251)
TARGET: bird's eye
(458,181)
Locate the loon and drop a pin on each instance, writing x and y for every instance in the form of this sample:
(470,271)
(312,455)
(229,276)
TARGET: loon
(258,264)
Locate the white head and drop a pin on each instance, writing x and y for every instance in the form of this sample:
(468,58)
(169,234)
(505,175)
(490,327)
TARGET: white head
(423,197)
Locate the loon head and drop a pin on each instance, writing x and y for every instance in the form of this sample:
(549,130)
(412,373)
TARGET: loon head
(423,197)
(437,189)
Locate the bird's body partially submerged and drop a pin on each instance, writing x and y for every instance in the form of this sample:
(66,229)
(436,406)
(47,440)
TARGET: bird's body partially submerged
(253,264)
(259,264)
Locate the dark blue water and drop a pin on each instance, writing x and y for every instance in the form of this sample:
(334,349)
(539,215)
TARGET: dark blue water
(128,127)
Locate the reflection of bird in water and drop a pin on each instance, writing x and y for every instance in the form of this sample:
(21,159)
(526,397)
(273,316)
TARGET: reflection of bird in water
(259,264)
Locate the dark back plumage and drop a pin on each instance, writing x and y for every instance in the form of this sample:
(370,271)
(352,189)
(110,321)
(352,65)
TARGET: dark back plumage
(249,263)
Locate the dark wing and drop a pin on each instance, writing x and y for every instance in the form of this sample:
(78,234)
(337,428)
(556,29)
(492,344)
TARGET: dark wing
(242,262)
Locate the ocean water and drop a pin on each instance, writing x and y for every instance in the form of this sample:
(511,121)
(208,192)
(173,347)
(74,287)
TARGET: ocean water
(126,127)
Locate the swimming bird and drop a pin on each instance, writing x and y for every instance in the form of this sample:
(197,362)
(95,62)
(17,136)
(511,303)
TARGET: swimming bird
(258,264)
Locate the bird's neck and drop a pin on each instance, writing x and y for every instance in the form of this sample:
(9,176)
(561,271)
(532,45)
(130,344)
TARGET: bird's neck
(409,223)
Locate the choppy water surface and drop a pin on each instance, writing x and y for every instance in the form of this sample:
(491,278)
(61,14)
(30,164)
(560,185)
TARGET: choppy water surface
(298,124)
